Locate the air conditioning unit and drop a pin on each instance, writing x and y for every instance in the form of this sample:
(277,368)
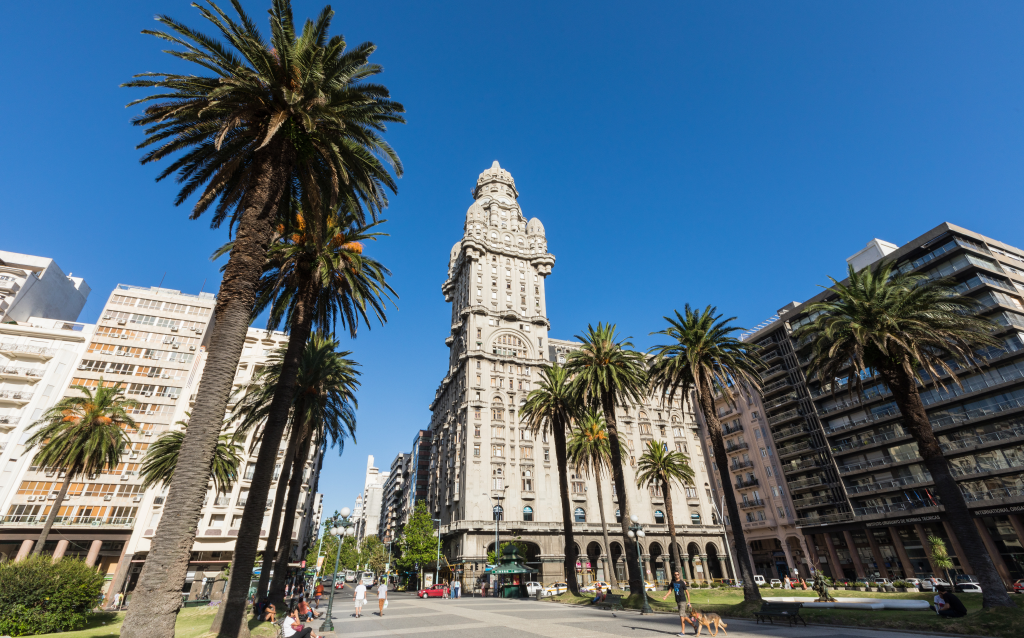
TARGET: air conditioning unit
(174,346)
(62,475)
(174,328)
(165,376)
(147,394)
(199,331)
(124,477)
(147,433)
(93,477)
(50,473)
(137,499)
(31,498)
(191,347)
(124,336)
(53,497)
(107,317)
(82,367)
(122,322)
(133,455)
(108,497)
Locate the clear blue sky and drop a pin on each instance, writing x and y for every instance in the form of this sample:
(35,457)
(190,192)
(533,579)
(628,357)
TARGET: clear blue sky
(726,153)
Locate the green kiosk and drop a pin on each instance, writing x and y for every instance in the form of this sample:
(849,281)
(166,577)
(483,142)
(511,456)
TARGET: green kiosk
(512,574)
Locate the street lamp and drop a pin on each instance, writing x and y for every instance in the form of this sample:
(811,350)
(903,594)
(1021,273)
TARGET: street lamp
(498,512)
(636,531)
(338,532)
(437,563)
(725,537)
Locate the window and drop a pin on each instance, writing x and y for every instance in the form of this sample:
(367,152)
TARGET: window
(476,413)
(618,516)
(691,492)
(632,461)
(525,453)
(547,456)
(764,453)
(768,470)
(578,487)
(782,514)
(645,428)
(498,451)
(695,518)
(476,449)
(580,516)
(498,431)
(528,514)
(527,481)
(498,513)
(476,430)
(497,483)
(659,517)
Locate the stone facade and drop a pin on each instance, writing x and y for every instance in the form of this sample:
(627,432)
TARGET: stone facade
(481,455)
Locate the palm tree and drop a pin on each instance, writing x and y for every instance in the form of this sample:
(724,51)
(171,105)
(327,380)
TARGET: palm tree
(661,468)
(550,407)
(162,459)
(910,331)
(81,436)
(262,120)
(701,358)
(607,372)
(590,453)
(316,274)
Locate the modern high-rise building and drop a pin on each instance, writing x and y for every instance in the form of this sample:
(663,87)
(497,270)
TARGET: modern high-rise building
(33,286)
(393,498)
(487,471)
(368,505)
(864,501)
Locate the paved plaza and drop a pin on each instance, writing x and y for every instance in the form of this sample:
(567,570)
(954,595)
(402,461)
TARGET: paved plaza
(475,617)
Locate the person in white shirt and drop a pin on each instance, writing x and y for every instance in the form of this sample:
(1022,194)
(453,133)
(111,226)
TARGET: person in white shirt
(292,627)
(360,595)
(382,596)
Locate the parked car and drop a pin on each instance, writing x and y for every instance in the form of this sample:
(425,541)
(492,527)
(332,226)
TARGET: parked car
(434,591)
(930,583)
(758,579)
(650,585)
(555,589)
(776,581)
(967,588)
(1018,587)
(340,584)
(533,587)
(592,587)
(882,582)
(913,582)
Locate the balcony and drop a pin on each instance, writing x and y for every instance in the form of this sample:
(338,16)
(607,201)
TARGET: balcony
(772,371)
(785,416)
(866,441)
(895,508)
(745,504)
(983,468)
(742,485)
(874,417)
(813,501)
(895,458)
(796,448)
(785,433)
(740,465)
(877,392)
(26,351)
(32,375)
(976,413)
(803,484)
(994,495)
(9,419)
(66,521)
(800,466)
(15,397)
(775,386)
(828,519)
(973,441)
(736,447)
(784,399)
(730,430)
(770,355)
(890,484)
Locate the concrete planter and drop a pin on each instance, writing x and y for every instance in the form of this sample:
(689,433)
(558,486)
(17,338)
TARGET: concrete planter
(911,590)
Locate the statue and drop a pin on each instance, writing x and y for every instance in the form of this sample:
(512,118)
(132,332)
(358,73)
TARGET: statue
(821,587)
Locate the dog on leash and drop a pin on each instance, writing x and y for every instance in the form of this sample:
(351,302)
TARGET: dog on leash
(706,619)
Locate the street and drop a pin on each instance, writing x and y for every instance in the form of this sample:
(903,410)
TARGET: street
(472,617)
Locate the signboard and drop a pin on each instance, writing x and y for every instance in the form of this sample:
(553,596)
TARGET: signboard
(1009,509)
(902,521)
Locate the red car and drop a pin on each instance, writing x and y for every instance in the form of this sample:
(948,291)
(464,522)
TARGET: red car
(339,585)
(434,591)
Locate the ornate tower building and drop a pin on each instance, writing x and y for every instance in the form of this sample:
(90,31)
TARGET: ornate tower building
(487,470)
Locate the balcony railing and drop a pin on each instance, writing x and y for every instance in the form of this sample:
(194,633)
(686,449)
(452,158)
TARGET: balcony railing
(68,521)
(968,442)
(729,430)
(751,503)
(813,501)
(34,373)
(853,444)
(739,465)
(896,483)
(895,458)
(871,418)
(775,385)
(785,416)
(981,468)
(786,398)
(807,482)
(976,413)
(799,429)
(876,392)
(13,395)
(793,449)
(993,495)
(902,506)
(828,519)
(742,445)
(17,348)
(9,420)
(802,465)
(772,371)
(740,485)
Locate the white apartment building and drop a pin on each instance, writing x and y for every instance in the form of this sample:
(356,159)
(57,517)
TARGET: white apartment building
(368,504)
(482,455)
(32,286)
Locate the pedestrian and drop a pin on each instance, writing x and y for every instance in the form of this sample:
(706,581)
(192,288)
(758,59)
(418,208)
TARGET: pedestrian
(456,589)
(117,599)
(951,606)
(318,593)
(360,596)
(786,582)
(483,589)
(445,585)
(292,627)
(382,597)
(682,593)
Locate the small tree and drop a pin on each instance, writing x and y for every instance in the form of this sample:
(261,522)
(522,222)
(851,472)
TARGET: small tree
(39,596)
(520,547)
(418,542)
(940,556)
(372,554)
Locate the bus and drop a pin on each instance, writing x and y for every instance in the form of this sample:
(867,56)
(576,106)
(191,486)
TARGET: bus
(350,576)
(366,578)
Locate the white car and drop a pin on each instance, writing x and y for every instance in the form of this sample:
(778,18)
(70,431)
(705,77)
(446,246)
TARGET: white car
(776,581)
(913,582)
(929,584)
(533,587)
(555,589)
(968,588)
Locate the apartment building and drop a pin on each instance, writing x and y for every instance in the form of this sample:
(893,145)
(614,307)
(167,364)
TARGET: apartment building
(486,470)
(393,498)
(32,286)
(775,545)
(863,500)
(368,505)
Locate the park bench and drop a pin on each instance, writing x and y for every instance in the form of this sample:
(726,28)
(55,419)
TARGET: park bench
(612,602)
(771,611)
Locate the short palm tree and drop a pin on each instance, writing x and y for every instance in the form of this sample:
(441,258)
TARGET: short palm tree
(703,357)
(551,406)
(162,459)
(262,120)
(607,372)
(910,331)
(659,468)
(589,452)
(80,436)
(323,412)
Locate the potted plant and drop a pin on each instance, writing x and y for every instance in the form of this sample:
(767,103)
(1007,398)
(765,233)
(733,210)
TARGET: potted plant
(900,585)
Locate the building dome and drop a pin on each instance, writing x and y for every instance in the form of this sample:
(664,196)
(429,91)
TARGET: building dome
(534,227)
(495,176)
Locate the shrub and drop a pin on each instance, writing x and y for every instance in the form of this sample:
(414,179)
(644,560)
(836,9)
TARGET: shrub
(38,596)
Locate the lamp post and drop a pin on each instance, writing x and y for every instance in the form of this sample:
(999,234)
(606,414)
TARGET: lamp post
(725,537)
(437,563)
(498,512)
(636,532)
(343,529)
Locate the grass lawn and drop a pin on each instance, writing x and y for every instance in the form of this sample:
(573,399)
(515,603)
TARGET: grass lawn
(192,623)
(1001,623)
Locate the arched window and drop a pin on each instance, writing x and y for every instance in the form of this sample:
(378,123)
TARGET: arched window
(659,517)
(498,513)
(695,518)
(528,514)
(618,516)
(580,516)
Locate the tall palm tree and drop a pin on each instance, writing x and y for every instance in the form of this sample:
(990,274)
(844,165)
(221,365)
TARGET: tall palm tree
(162,459)
(81,436)
(909,331)
(590,454)
(703,357)
(551,407)
(316,274)
(607,372)
(261,120)
(661,468)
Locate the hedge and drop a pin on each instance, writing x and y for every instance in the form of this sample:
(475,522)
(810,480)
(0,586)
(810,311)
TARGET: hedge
(38,596)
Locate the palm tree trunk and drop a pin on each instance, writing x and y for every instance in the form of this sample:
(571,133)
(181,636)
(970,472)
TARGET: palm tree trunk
(609,567)
(561,459)
(275,519)
(230,620)
(905,392)
(674,553)
(52,516)
(285,545)
(636,582)
(707,407)
(157,597)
